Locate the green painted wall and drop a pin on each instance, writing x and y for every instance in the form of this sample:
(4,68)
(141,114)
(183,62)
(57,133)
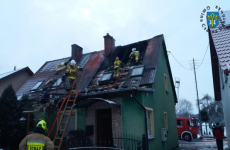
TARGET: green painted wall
(160,101)
(132,117)
(163,102)
(81,123)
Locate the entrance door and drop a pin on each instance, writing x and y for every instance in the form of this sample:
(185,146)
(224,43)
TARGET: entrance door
(104,127)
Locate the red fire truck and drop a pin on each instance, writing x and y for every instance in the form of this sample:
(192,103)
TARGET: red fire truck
(188,128)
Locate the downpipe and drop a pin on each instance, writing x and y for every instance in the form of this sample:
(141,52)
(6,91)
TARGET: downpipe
(146,128)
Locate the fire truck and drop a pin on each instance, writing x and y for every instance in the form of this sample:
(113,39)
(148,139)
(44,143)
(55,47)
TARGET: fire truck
(188,128)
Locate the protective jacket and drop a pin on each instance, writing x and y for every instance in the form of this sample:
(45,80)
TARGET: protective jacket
(117,64)
(72,71)
(218,133)
(135,53)
(36,141)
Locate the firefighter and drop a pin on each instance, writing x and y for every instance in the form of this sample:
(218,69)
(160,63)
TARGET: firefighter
(71,73)
(61,66)
(134,56)
(37,140)
(116,68)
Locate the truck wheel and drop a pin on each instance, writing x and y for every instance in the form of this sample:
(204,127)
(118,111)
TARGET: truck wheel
(187,137)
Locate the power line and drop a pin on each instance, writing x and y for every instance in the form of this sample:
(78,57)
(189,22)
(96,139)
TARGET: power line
(203,57)
(178,61)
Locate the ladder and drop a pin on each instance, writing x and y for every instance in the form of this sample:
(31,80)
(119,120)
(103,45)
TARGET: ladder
(56,137)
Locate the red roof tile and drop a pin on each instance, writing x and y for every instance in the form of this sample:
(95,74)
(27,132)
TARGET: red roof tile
(221,41)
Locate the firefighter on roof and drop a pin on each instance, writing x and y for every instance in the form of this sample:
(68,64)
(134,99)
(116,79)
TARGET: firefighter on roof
(71,73)
(116,68)
(134,56)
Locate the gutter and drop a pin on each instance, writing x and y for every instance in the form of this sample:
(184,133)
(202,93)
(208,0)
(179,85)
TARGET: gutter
(146,128)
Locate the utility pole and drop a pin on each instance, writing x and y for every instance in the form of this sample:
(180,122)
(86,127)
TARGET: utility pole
(198,101)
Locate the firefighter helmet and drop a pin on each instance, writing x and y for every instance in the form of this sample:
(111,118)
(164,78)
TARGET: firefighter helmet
(117,58)
(72,62)
(133,49)
(42,124)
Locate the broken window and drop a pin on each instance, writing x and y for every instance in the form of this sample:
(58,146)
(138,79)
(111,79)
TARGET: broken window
(106,76)
(137,71)
(57,83)
(36,86)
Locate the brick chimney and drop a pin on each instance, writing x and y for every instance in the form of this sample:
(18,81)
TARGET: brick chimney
(76,52)
(109,44)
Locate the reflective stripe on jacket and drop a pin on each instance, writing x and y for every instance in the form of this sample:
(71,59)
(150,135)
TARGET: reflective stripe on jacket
(117,64)
(72,71)
(36,141)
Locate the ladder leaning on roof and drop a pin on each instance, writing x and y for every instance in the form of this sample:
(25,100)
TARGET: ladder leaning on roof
(64,111)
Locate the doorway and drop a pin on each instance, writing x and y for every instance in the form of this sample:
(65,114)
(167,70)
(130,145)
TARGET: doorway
(104,127)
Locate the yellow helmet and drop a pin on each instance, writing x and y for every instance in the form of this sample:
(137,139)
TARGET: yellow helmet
(42,124)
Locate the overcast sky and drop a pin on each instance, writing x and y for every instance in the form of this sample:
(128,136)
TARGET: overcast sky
(35,31)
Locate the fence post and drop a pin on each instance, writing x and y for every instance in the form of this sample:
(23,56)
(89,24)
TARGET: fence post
(144,142)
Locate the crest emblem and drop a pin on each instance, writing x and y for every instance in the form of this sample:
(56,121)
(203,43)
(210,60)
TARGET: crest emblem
(212,19)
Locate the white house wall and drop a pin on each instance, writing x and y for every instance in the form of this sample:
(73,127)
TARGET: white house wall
(225,99)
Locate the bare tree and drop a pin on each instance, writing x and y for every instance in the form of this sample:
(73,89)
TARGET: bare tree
(184,108)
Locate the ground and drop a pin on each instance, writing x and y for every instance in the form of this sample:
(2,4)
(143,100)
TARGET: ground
(198,144)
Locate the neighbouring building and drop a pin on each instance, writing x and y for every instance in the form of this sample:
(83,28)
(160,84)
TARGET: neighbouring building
(220,58)
(140,102)
(16,78)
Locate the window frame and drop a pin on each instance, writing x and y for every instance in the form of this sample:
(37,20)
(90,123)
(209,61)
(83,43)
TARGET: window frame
(166,83)
(166,120)
(38,85)
(137,74)
(151,122)
(180,121)
(53,86)
(75,117)
(110,72)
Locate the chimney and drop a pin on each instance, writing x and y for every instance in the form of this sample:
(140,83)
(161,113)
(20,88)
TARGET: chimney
(76,52)
(109,44)
(14,67)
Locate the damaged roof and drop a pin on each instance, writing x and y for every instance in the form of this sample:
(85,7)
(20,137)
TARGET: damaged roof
(97,67)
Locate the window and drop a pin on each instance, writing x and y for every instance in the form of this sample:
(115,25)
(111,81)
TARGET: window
(106,76)
(190,123)
(150,122)
(180,122)
(72,125)
(166,83)
(166,120)
(137,71)
(36,86)
(57,83)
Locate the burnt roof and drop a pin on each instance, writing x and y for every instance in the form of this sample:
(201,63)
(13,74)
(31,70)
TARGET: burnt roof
(95,64)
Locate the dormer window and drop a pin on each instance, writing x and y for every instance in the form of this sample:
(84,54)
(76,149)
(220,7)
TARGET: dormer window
(37,85)
(137,71)
(106,76)
(57,83)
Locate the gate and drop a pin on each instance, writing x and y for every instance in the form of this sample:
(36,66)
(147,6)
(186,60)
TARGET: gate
(118,142)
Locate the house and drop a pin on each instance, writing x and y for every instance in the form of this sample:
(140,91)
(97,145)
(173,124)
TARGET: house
(16,78)
(140,102)
(220,58)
